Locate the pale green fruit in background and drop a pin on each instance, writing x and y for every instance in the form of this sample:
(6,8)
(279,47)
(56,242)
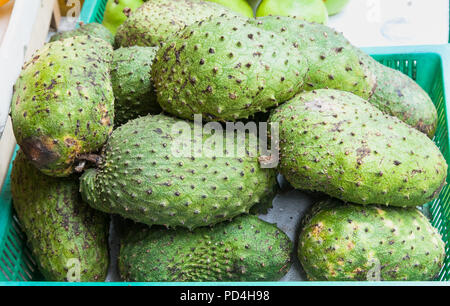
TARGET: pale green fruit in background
(240,6)
(335,6)
(309,10)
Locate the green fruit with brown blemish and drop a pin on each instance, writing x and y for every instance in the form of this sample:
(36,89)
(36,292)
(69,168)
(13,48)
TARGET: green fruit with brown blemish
(68,239)
(132,85)
(337,143)
(63,103)
(226,69)
(347,242)
(246,249)
(154,171)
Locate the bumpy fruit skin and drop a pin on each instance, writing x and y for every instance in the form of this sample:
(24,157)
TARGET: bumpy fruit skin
(131,81)
(226,69)
(309,10)
(398,95)
(239,6)
(91,29)
(144,177)
(346,242)
(58,225)
(117,11)
(333,62)
(63,103)
(156,20)
(335,6)
(246,249)
(339,144)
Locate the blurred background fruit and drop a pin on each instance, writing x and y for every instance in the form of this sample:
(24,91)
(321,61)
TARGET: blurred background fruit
(240,6)
(335,6)
(117,11)
(309,10)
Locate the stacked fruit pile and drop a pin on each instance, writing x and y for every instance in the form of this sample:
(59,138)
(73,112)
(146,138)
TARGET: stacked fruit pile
(90,103)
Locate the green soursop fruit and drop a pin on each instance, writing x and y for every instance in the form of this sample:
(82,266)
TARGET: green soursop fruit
(131,81)
(246,249)
(398,95)
(337,143)
(152,172)
(156,20)
(333,62)
(91,29)
(63,232)
(63,103)
(226,69)
(368,243)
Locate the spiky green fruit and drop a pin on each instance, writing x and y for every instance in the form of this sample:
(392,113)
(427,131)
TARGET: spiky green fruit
(156,20)
(367,243)
(246,249)
(91,29)
(132,85)
(309,10)
(64,233)
(337,143)
(226,69)
(152,172)
(398,95)
(333,62)
(63,103)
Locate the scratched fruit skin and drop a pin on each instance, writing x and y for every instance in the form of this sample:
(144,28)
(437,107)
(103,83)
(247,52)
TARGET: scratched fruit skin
(132,85)
(347,242)
(156,20)
(60,228)
(63,103)
(399,95)
(226,69)
(90,29)
(144,177)
(246,249)
(340,144)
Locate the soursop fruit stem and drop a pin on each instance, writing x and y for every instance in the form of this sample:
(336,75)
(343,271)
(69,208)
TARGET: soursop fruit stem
(87,185)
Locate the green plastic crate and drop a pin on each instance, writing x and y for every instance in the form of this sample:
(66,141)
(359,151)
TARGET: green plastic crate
(428,65)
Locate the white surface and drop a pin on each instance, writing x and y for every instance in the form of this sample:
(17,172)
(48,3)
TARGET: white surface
(370,23)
